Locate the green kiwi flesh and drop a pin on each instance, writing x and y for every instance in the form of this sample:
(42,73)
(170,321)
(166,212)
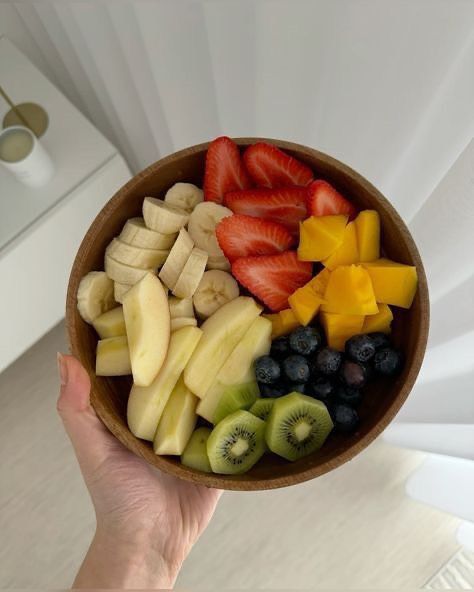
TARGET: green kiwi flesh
(262,407)
(195,454)
(235,397)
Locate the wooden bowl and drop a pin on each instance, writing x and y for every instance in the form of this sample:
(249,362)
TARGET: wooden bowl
(383,397)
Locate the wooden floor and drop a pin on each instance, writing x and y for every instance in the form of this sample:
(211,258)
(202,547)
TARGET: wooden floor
(353,528)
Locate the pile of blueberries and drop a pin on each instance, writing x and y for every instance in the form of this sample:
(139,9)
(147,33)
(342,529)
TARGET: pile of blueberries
(302,362)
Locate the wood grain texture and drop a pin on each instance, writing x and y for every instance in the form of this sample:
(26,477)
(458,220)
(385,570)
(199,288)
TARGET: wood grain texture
(383,398)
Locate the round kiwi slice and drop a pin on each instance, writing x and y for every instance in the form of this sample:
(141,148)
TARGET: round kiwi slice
(236,443)
(235,397)
(195,453)
(297,425)
(262,407)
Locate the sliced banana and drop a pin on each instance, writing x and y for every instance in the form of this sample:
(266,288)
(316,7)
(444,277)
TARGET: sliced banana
(221,263)
(180,322)
(120,290)
(215,289)
(185,196)
(123,273)
(191,275)
(202,226)
(135,256)
(181,307)
(163,217)
(95,295)
(176,259)
(135,233)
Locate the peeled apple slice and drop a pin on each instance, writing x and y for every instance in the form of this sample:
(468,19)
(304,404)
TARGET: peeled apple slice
(95,295)
(180,307)
(110,324)
(120,290)
(113,357)
(180,322)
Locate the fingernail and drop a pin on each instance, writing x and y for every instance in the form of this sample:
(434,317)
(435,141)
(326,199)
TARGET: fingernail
(62,369)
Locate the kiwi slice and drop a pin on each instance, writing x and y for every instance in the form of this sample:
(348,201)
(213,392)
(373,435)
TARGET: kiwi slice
(235,397)
(236,443)
(195,453)
(297,425)
(262,407)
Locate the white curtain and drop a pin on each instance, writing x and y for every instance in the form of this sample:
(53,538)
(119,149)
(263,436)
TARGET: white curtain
(386,86)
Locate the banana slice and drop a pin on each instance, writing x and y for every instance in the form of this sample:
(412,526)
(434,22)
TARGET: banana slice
(135,256)
(180,322)
(221,263)
(135,233)
(191,275)
(202,226)
(163,217)
(120,290)
(176,260)
(123,273)
(185,196)
(216,288)
(95,295)
(181,307)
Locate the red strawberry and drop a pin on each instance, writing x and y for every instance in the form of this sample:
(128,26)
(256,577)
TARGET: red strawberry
(224,170)
(272,278)
(324,200)
(241,236)
(271,167)
(286,205)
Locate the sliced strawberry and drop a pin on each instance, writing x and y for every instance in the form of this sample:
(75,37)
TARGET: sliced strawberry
(224,170)
(324,200)
(286,205)
(271,167)
(272,278)
(243,236)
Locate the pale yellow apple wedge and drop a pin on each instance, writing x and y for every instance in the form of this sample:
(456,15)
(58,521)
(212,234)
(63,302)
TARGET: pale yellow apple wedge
(147,321)
(177,422)
(110,324)
(146,404)
(221,333)
(113,357)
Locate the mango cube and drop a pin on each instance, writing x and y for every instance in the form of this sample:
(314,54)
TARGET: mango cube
(288,320)
(367,226)
(305,303)
(340,327)
(349,292)
(277,327)
(347,252)
(320,281)
(320,236)
(379,322)
(394,283)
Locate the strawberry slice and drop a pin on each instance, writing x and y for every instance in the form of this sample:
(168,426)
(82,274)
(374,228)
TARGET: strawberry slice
(323,200)
(286,205)
(271,167)
(272,278)
(242,236)
(224,170)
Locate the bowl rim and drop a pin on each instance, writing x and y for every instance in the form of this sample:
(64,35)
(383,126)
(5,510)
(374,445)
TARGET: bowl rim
(228,482)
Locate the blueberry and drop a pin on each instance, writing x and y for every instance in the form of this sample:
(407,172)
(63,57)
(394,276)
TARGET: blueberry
(267,370)
(379,340)
(328,361)
(348,395)
(280,347)
(273,391)
(296,387)
(296,369)
(388,361)
(321,388)
(353,374)
(345,418)
(305,340)
(360,348)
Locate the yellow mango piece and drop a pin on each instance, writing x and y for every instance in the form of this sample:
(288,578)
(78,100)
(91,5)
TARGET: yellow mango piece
(277,326)
(320,281)
(349,292)
(367,226)
(288,320)
(305,303)
(378,322)
(394,283)
(347,252)
(320,236)
(340,327)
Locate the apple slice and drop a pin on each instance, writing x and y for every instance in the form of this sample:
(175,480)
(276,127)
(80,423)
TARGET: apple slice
(221,333)
(147,321)
(146,403)
(238,369)
(110,324)
(113,357)
(177,422)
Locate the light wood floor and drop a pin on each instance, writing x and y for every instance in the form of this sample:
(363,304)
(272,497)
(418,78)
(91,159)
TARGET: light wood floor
(353,528)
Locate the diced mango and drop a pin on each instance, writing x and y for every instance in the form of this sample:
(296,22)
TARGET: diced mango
(340,327)
(320,281)
(349,292)
(277,327)
(367,225)
(394,283)
(347,252)
(288,320)
(305,303)
(378,322)
(320,236)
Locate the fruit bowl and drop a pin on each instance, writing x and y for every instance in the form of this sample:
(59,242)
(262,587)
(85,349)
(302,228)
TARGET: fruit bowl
(382,399)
